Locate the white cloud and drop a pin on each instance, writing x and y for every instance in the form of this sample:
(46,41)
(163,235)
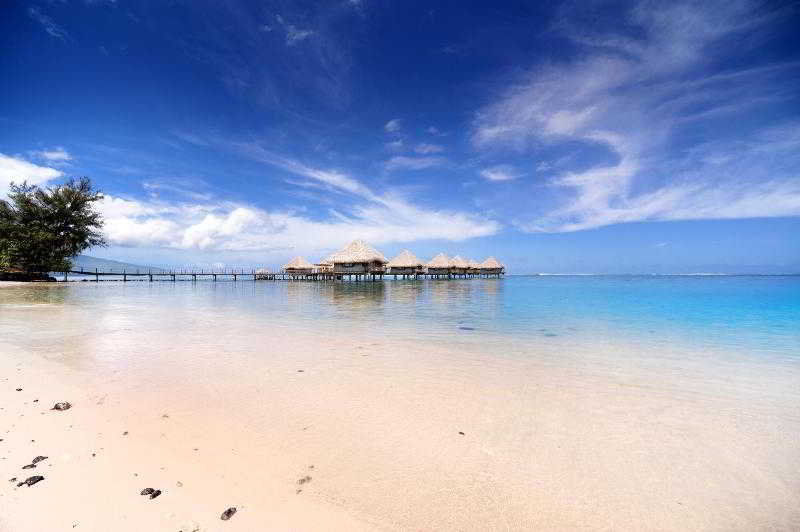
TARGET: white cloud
(501,172)
(230,226)
(393,126)
(628,96)
(209,225)
(428,148)
(413,163)
(57,154)
(19,170)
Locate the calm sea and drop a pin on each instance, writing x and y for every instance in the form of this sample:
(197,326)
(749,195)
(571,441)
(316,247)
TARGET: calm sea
(756,316)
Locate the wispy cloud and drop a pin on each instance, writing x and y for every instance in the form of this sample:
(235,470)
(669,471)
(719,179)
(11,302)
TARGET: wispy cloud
(629,95)
(57,154)
(295,35)
(501,172)
(48,23)
(403,162)
(208,224)
(393,126)
(428,148)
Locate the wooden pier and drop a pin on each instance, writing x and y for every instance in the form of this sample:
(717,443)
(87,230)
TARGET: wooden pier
(258,275)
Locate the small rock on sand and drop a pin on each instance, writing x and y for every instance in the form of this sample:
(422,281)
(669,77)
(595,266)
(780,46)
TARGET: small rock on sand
(30,481)
(304,480)
(38,459)
(227,514)
(155,494)
(29,466)
(147,491)
(61,406)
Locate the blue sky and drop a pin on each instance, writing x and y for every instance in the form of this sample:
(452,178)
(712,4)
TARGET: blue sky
(560,137)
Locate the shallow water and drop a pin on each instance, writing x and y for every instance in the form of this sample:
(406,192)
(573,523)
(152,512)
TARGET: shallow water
(586,402)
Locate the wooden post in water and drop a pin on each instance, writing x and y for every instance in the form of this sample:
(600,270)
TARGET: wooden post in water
(96,276)
(124,276)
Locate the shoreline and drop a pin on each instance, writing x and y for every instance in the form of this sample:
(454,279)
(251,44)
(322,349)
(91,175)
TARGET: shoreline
(401,434)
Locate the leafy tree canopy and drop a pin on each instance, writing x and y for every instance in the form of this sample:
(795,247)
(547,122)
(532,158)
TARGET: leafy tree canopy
(42,229)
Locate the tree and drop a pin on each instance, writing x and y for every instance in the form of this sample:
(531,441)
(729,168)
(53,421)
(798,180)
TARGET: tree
(42,229)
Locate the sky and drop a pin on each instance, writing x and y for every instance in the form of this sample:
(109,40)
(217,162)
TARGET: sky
(572,137)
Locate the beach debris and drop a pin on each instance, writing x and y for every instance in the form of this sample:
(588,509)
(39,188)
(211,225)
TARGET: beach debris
(30,481)
(147,491)
(155,494)
(306,479)
(227,514)
(35,400)
(461,433)
(38,459)
(12,479)
(19,389)
(29,466)
(61,406)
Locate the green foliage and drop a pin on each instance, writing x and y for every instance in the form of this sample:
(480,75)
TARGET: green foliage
(42,229)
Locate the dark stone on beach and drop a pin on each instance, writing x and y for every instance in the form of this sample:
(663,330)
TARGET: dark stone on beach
(304,480)
(38,459)
(35,400)
(61,406)
(19,389)
(460,432)
(12,479)
(30,481)
(155,494)
(227,514)
(147,491)
(299,371)
(125,433)
(29,466)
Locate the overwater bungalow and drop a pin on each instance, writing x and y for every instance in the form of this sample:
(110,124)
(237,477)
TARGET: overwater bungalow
(358,258)
(298,266)
(406,263)
(491,267)
(458,266)
(474,267)
(325,265)
(439,265)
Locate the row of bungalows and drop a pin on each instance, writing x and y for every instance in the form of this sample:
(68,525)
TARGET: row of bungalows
(359,259)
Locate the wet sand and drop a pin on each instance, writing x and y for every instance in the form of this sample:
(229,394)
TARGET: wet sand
(301,431)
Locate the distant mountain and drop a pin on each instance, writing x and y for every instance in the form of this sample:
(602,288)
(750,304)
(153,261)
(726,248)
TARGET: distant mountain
(89,264)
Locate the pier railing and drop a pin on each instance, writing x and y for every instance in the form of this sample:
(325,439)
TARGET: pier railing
(252,274)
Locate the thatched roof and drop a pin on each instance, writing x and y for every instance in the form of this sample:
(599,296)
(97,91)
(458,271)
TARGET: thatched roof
(405,259)
(490,263)
(458,262)
(473,264)
(357,251)
(439,261)
(298,263)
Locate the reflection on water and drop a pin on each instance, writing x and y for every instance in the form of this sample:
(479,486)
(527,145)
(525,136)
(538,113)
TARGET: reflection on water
(756,314)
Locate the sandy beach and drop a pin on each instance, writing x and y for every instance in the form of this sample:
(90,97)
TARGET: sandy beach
(304,431)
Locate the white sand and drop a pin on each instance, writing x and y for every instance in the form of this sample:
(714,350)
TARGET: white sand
(549,443)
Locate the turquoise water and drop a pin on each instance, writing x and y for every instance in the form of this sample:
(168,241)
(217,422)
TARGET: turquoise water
(755,315)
